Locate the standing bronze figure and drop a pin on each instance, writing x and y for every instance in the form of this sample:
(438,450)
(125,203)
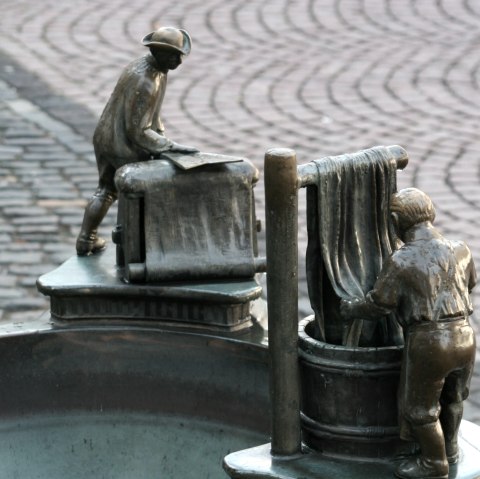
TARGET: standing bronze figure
(130,128)
(427,282)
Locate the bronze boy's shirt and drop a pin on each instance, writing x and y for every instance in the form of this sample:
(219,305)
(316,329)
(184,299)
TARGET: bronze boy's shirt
(130,128)
(425,276)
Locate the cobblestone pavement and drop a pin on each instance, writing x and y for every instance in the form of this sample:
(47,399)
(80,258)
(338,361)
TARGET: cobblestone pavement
(321,76)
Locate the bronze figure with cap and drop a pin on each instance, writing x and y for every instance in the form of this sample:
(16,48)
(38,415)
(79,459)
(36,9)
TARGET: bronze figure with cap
(130,128)
(427,282)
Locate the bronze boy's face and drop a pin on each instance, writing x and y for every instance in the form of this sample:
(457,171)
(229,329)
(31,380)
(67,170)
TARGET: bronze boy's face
(399,229)
(167,59)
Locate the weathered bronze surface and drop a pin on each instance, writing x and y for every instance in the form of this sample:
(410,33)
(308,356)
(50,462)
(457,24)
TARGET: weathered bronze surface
(92,288)
(349,238)
(348,406)
(184,215)
(126,400)
(130,128)
(260,463)
(282,285)
(283,178)
(427,281)
(187,224)
(356,413)
(194,160)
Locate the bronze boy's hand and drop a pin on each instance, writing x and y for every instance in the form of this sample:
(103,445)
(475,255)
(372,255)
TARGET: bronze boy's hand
(348,307)
(183,148)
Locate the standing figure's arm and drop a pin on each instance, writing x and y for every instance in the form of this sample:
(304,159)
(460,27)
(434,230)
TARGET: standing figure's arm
(472,276)
(139,120)
(380,301)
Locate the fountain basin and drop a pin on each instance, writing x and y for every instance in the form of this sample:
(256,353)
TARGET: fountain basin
(127,400)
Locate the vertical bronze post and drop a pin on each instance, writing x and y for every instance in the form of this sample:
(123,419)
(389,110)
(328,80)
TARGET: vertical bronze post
(282,287)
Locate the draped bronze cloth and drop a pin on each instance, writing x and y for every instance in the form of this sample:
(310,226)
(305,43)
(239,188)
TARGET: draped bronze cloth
(189,224)
(349,237)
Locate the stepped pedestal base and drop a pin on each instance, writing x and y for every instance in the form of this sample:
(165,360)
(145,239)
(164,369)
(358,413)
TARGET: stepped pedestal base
(258,463)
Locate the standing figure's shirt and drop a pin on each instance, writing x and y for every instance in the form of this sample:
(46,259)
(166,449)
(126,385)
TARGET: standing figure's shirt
(130,128)
(426,279)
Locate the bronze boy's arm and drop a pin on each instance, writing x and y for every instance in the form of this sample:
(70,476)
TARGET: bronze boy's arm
(139,123)
(362,309)
(472,279)
(380,301)
(138,118)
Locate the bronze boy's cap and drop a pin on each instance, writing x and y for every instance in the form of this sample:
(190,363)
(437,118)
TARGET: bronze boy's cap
(169,38)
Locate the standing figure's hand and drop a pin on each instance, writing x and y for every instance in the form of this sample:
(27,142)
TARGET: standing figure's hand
(183,148)
(348,307)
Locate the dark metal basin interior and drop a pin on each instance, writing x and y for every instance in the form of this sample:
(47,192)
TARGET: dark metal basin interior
(118,445)
(128,401)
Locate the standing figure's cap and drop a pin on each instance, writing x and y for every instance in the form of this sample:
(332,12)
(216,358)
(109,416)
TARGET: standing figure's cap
(169,38)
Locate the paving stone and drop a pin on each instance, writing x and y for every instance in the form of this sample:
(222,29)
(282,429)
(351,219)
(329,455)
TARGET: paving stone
(9,293)
(27,166)
(73,220)
(40,237)
(24,316)
(7,281)
(13,193)
(61,248)
(86,189)
(33,269)
(78,171)
(58,203)
(22,247)
(54,149)
(323,76)
(19,211)
(34,220)
(28,282)
(28,132)
(79,147)
(49,156)
(28,141)
(59,163)
(56,194)
(7,151)
(25,303)
(7,202)
(5,238)
(38,229)
(69,210)
(25,258)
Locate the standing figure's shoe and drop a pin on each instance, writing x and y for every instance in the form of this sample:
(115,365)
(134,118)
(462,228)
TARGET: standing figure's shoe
(89,244)
(452,452)
(420,468)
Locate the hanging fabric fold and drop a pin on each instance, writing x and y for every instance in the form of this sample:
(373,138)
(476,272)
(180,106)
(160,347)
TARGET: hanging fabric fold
(349,237)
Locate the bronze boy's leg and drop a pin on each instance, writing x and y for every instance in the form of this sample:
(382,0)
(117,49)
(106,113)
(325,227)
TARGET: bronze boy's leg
(88,242)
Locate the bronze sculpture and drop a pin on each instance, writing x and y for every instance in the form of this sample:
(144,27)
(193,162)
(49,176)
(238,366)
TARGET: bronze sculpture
(349,238)
(334,405)
(427,281)
(130,128)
